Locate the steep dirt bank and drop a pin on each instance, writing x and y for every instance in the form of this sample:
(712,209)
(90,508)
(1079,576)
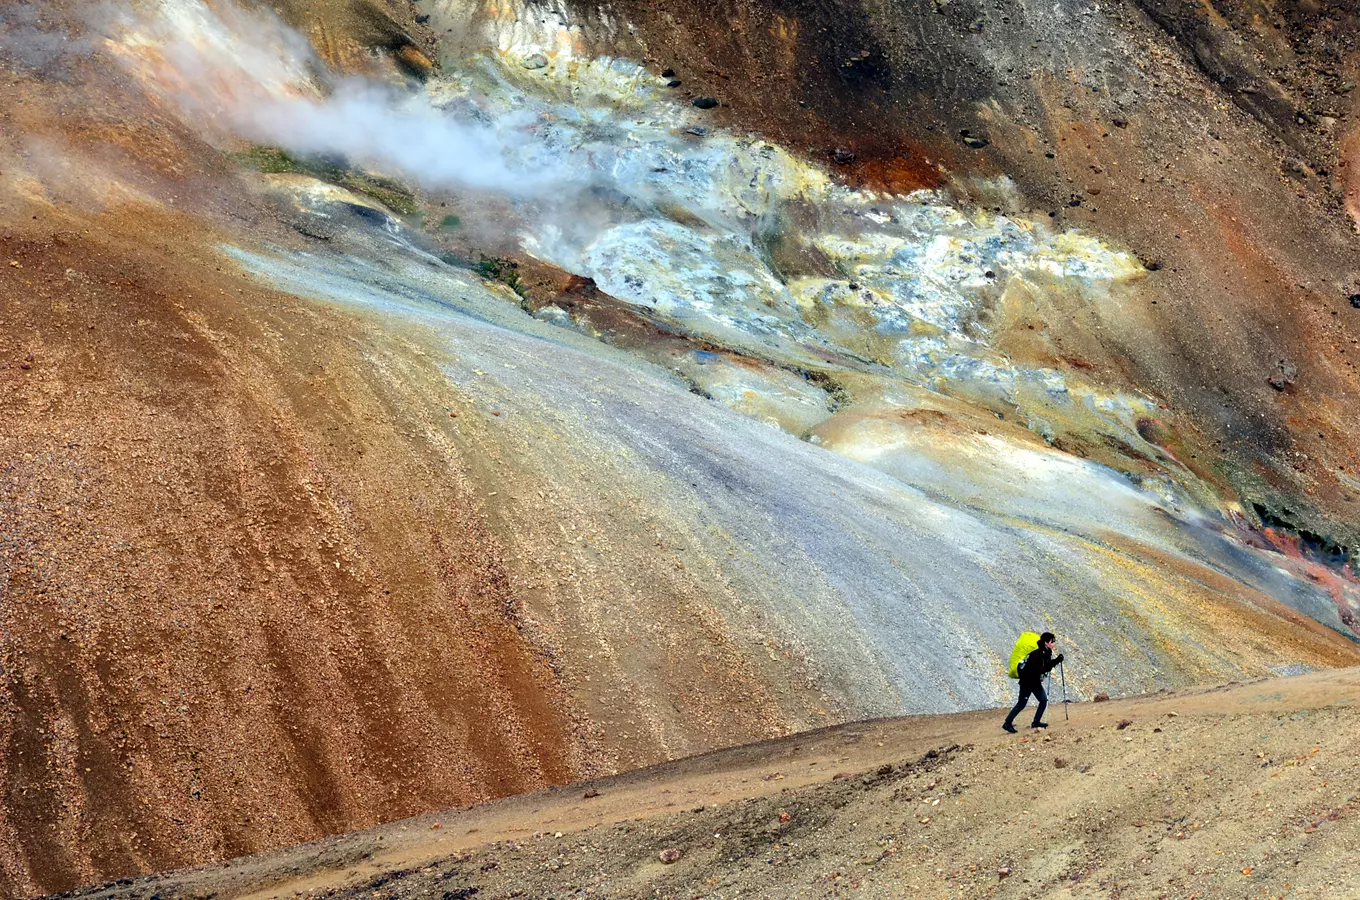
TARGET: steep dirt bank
(1241,791)
(248,599)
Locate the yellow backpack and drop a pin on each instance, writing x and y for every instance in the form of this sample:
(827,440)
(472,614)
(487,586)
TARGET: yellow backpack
(1027,644)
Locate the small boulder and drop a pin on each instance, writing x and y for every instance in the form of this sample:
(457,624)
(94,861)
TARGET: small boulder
(670,855)
(972,141)
(1355,300)
(537,61)
(1059,762)
(1123,723)
(414,62)
(1283,376)
(704,102)
(1003,873)
(1101,697)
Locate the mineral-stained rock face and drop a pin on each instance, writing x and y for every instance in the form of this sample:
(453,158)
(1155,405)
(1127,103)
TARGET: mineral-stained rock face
(1205,138)
(511,418)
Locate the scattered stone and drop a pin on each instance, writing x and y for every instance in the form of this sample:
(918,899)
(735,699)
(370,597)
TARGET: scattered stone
(697,130)
(972,140)
(1102,697)
(843,156)
(421,20)
(1355,300)
(1004,872)
(704,102)
(1296,168)
(669,855)
(590,794)
(1059,762)
(1120,122)
(1123,723)
(415,62)
(785,818)
(667,73)
(1283,376)
(673,83)
(537,61)
(1154,266)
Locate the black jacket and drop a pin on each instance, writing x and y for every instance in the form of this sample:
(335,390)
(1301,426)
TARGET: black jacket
(1038,664)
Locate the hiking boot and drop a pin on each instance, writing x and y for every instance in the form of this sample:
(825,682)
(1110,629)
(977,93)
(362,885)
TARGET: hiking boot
(1039,725)
(1009,727)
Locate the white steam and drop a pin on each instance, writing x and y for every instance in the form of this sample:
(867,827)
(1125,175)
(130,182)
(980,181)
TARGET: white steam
(246,74)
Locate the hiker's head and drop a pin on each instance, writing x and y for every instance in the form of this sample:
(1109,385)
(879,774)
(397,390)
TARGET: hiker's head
(1047,640)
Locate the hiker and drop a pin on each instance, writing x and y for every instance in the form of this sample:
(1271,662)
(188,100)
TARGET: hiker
(1032,671)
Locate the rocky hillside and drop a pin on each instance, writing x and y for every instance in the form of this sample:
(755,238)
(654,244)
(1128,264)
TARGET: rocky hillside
(403,406)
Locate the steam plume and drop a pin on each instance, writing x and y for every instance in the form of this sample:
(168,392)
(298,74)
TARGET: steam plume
(245,73)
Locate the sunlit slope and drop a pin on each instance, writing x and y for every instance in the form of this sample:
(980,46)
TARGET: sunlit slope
(370,451)
(1138,797)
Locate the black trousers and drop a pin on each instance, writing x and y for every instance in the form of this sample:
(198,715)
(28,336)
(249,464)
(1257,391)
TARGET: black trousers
(1025,690)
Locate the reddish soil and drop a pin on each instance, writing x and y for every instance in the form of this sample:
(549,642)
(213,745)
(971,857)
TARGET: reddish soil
(247,598)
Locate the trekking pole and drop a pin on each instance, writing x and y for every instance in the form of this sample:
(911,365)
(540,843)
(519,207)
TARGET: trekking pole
(1063,673)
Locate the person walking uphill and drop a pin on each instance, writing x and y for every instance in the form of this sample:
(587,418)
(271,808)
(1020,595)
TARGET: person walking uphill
(1032,671)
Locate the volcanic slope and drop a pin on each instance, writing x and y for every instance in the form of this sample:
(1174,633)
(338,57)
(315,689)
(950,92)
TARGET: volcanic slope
(332,492)
(1244,790)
